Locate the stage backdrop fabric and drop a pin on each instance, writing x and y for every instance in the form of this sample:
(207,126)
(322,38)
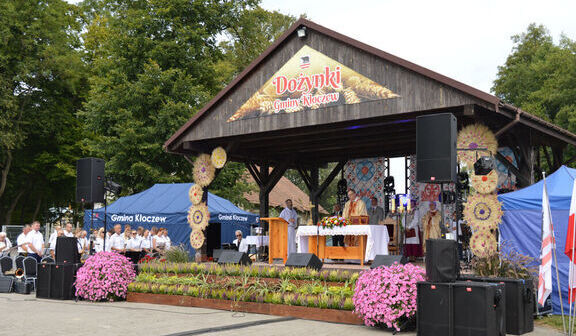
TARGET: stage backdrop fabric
(166,205)
(521,226)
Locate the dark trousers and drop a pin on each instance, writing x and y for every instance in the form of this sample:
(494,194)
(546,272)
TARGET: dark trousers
(338,240)
(34,255)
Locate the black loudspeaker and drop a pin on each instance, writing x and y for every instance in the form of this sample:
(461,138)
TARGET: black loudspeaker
(234,257)
(62,281)
(436,148)
(309,260)
(461,309)
(44,276)
(388,260)
(216,254)
(519,303)
(90,180)
(442,263)
(67,250)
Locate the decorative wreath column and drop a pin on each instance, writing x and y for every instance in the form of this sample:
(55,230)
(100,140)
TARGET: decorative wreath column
(482,210)
(203,173)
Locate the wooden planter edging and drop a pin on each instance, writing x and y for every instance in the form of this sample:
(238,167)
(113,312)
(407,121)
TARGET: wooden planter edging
(307,313)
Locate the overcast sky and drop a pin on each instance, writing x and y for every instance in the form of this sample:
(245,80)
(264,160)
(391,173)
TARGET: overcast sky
(464,40)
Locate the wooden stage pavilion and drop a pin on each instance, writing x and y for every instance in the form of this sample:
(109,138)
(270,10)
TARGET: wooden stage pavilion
(316,96)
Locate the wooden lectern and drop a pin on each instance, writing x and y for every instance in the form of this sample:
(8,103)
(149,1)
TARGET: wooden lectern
(278,238)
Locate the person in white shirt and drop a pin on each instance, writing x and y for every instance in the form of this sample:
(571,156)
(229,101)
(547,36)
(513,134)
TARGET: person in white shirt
(167,241)
(240,243)
(36,240)
(413,234)
(83,243)
(133,243)
(290,215)
(146,242)
(117,242)
(5,243)
(99,241)
(22,240)
(160,241)
(68,231)
(53,241)
(140,233)
(54,232)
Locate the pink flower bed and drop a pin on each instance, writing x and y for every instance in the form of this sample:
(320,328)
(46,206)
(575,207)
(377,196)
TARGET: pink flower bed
(385,295)
(104,276)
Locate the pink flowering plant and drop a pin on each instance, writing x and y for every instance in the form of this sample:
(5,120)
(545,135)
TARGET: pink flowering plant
(330,222)
(104,276)
(387,295)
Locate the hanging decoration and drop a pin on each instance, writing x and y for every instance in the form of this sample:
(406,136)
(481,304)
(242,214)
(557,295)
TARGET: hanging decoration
(473,137)
(485,184)
(483,211)
(196,239)
(203,170)
(195,194)
(198,216)
(218,157)
(483,244)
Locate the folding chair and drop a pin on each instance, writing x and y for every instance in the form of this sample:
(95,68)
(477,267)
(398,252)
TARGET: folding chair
(6,264)
(19,262)
(47,260)
(30,266)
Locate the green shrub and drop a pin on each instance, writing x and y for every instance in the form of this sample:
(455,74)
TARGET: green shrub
(333,276)
(193,291)
(323,301)
(311,301)
(348,304)
(289,299)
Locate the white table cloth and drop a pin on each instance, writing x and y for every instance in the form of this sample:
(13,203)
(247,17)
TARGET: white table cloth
(257,240)
(376,242)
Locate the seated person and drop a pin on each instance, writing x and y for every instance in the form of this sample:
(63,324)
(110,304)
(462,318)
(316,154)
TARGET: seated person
(240,243)
(5,243)
(59,233)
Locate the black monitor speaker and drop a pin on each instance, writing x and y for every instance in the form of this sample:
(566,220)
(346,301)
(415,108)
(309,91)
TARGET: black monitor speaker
(388,260)
(442,263)
(67,250)
(436,138)
(90,180)
(44,276)
(62,281)
(461,308)
(308,260)
(234,257)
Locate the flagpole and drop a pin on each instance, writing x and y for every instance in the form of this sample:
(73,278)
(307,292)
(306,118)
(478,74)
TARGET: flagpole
(555,259)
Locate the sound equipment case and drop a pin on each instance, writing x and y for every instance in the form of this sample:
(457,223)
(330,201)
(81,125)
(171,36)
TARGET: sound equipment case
(6,284)
(519,302)
(442,263)
(22,287)
(461,308)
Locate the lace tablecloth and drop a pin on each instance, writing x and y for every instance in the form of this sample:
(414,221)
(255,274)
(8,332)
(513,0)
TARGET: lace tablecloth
(376,243)
(257,240)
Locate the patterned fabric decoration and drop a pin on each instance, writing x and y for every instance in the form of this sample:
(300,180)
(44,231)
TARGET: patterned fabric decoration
(483,244)
(366,176)
(506,180)
(196,239)
(198,216)
(483,212)
(195,194)
(473,137)
(203,170)
(484,184)
(218,157)
(412,187)
(430,192)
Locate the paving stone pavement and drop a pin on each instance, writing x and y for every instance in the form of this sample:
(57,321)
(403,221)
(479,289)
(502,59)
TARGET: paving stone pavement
(26,315)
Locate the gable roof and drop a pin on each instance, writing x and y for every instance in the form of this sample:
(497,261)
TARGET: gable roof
(498,105)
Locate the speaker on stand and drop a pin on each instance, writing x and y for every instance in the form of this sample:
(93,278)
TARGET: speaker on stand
(90,180)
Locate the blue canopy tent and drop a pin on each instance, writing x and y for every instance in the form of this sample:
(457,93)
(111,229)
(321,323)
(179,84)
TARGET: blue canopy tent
(166,205)
(522,223)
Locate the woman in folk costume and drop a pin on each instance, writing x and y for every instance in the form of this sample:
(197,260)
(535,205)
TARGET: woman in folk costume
(354,207)
(431,223)
(413,234)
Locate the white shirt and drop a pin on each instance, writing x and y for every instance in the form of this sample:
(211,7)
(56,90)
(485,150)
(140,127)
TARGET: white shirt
(167,242)
(133,244)
(291,216)
(22,239)
(37,240)
(68,234)
(52,243)
(83,244)
(116,241)
(6,244)
(98,244)
(243,246)
(145,243)
(160,242)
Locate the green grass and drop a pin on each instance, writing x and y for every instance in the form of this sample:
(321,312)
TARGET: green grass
(554,321)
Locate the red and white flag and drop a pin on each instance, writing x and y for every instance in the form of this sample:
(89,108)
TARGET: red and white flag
(548,243)
(569,247)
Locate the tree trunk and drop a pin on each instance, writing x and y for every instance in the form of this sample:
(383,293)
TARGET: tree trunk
(12,207)
(4,173)
(37,208)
